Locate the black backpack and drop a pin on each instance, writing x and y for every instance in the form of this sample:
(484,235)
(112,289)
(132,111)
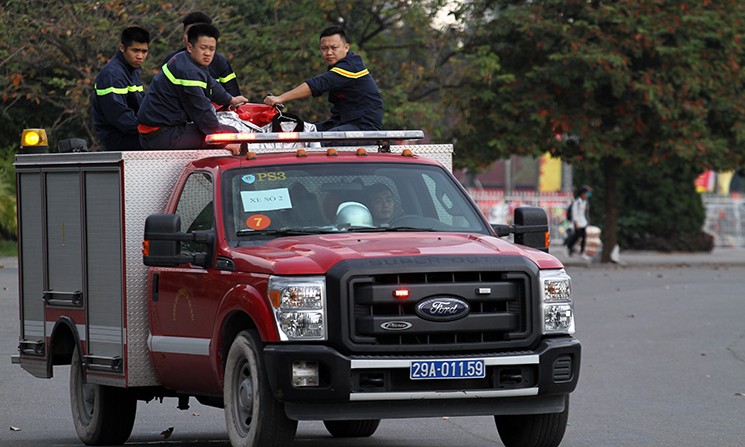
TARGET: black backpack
(569,211)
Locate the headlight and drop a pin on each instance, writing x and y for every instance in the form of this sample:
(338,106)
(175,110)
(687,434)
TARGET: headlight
(556,302)
(299,307)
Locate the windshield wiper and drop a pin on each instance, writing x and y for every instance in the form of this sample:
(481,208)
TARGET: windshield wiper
(385,229)
(281,232)
(328,230)
(407,229)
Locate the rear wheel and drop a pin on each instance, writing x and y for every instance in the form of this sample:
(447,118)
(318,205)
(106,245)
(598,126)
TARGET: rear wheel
(533,430)
(102,415)
(352,429)
(254,417)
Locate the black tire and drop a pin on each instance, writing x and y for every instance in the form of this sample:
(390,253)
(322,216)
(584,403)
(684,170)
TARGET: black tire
(352,429)
(254,417)
(103,415)
(533,430)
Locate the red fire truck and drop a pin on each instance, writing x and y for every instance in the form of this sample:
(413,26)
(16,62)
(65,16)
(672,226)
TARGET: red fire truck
(326,283)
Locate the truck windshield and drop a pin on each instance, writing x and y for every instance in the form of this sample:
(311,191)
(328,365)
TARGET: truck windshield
(291,200)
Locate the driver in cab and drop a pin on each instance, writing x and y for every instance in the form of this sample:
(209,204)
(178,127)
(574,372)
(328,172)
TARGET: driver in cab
(381,203)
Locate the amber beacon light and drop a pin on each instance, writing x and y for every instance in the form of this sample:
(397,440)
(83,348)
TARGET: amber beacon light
(34,141)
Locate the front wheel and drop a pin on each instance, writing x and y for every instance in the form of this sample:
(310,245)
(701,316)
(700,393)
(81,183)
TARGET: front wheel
(352,429)
(254,417)
(533,430)
(103,415)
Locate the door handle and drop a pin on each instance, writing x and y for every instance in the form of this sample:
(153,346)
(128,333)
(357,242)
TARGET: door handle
(156,279)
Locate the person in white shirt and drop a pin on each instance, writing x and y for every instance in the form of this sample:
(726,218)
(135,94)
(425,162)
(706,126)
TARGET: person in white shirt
(580,220)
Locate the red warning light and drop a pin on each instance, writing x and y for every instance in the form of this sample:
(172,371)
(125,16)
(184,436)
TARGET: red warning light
(401,294)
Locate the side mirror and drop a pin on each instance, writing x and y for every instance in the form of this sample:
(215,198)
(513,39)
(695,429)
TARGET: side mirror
(530,228)
(162,244)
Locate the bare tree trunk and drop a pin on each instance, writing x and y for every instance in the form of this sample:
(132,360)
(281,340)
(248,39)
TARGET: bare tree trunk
(610,224)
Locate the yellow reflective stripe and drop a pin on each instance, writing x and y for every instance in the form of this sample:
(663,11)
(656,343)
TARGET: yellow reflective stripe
(349,74)
(184,82)
(227,78)
(119,91)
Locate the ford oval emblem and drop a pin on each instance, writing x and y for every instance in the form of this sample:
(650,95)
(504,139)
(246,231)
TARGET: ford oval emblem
(396,325)
(442,308)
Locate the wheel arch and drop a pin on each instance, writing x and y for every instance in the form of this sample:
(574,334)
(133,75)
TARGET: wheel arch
(62,342)
(242,308)
(235,323)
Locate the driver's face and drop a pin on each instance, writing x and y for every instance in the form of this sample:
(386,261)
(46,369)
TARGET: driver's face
(381,206)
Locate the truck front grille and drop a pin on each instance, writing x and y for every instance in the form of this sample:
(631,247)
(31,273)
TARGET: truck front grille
(499,310)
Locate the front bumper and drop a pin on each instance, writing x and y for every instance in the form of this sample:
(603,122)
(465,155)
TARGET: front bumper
(376,387)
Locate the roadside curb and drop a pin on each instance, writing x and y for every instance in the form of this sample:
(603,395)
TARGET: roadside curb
(719,257)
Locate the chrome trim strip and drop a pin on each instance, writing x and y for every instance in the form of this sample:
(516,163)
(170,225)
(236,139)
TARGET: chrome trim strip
(464,394)
(82,333)
(107,334)
(179,345)
(33,328)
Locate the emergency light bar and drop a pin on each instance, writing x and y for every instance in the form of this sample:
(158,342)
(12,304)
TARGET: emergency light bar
(299,137)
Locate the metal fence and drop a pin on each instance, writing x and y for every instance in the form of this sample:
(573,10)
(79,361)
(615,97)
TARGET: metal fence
(724,220)
(499,208)
(724,215)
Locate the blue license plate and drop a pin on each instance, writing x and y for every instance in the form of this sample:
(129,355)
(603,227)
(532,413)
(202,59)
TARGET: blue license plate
(447,369)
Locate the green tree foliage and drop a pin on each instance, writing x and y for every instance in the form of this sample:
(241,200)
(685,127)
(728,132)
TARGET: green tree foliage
(638,83)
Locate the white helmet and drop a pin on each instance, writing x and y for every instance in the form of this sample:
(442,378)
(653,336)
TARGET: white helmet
(354,214)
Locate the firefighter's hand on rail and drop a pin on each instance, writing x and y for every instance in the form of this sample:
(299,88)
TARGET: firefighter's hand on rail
(240,99)
(271,100)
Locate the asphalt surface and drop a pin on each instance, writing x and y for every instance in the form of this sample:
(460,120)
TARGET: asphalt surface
(663,365)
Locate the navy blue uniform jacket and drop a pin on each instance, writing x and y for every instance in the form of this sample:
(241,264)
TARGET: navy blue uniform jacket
(353,93)
(220,69)
(181,93)
(117,98)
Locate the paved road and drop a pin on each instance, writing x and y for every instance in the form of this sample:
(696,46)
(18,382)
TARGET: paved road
(663,364)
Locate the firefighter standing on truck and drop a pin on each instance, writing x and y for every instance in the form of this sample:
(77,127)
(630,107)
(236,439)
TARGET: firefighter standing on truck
(177,112)
(355,100)
(119,93)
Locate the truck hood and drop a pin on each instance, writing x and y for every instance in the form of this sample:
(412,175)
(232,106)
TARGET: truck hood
(316,254)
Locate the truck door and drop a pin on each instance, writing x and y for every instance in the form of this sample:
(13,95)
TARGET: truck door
(184,301)
(103,271)
(63,285)
(31,263)
(84,262)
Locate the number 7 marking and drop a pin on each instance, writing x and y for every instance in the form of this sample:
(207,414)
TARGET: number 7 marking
(258,221)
